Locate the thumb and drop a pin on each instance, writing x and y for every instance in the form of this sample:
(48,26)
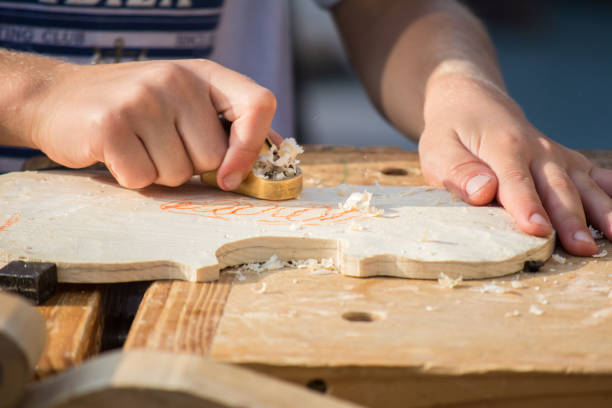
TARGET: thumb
(445,161)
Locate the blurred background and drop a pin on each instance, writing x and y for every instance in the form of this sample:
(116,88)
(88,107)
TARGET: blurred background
(556,57)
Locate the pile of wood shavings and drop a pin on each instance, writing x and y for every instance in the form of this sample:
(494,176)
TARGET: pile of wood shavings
(317,266)
(279,163)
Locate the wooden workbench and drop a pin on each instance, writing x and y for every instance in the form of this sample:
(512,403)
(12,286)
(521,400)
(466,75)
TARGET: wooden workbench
(383,341)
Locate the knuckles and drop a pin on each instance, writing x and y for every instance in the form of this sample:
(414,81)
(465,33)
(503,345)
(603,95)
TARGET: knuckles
(177,176)
(516,177)
(262,101)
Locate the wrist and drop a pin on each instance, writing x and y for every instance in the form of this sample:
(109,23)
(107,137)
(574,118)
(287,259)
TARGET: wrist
(463,89)
(26,80)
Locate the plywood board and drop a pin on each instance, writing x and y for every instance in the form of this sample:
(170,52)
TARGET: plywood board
(96,231)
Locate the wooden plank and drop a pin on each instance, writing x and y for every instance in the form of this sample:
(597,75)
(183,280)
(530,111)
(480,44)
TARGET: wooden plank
(158,379)
(179,316)
(74,327)
(333,165)
(389,342)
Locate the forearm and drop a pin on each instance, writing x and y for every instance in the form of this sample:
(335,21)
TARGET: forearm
(23,80)
(409,48)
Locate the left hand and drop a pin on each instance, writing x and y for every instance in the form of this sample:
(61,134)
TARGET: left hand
(478,144)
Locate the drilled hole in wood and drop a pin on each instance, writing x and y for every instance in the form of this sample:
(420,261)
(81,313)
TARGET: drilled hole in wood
(394,171)
(358,317)
(318,385)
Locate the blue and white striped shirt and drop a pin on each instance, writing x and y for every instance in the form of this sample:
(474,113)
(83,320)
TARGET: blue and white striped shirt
(83,31)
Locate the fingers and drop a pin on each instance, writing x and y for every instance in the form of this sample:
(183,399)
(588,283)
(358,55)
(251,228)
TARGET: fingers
(166,149)
(597,203)
(128,160)
(250,108)
(203,135)
(562,200)
(603,178)
(275,137)
(454,167)
(517,193)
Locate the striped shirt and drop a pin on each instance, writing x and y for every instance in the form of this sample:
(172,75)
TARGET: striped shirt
(85,31)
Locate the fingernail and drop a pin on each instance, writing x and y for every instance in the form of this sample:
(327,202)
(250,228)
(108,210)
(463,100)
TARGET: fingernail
(582,236)
(232,180)
(538,219)
(476,183)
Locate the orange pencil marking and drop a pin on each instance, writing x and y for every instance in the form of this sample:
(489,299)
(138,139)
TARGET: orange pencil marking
(11,220)
(273,213)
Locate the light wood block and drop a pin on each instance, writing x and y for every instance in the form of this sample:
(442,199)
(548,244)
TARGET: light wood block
(22,337)
(157,379)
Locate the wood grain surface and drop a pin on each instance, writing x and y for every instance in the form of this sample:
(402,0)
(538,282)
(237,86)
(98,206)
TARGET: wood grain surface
(74,327)
(179,316)
(527,340)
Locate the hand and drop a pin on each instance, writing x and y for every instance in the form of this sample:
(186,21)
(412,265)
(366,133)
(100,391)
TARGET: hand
(478,144)
(155,121)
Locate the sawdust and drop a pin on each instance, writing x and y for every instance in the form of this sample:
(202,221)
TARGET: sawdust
(559,259)
(534,309)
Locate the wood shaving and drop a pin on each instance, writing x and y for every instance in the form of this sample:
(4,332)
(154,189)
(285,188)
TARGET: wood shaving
(238,274)
(542,299)
(492,288)
(514,313)
(595,233)
(296,226)
(262,289)
(598,316)
(321,272)
(362,203)
(533,309)
(517,284)
(408,193)
(601,254)
(431,308)
(559,259)
(279,163)
(447,282)
(270,264)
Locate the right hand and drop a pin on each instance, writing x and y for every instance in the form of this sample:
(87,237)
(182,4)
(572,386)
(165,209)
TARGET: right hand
(155,121)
